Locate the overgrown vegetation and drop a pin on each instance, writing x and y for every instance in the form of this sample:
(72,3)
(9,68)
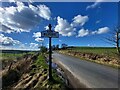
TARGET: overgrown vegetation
(11,56)
(30,72)
(96,50)
(43,49)
(56,83)
(101,55)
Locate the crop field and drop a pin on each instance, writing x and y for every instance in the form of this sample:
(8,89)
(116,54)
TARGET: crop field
(28,70)
(103,55)
(10,56)
(96,50)
(13,55)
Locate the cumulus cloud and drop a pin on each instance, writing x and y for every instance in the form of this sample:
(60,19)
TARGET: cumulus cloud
(33,45)
(42,10)
(37,34)
(79,20)
(6,29)
(82,32)
(22,18)
(11,0)
(69,29)
(39,39)
(60,40)
(46,28)
(64,28)
(28,46)
(98,21)
(101,30)
(94,5)
(8,41)
(22,46)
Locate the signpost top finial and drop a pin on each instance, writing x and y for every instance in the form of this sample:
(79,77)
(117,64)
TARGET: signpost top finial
(49,33)
(50,26)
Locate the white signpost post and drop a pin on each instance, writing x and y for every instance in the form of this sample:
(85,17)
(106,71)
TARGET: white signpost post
(50,34)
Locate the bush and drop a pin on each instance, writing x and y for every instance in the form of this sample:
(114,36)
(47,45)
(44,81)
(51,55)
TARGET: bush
(43,49)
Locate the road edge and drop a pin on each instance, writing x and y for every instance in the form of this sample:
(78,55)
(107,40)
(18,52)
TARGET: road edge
(73,81)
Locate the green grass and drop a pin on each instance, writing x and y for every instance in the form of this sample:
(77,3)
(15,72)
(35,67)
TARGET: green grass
(110,52)
(11,56)
(96,50)
(57,81)
(41,61)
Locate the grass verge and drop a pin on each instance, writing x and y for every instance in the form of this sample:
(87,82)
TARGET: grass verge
(56,83)
(95,61)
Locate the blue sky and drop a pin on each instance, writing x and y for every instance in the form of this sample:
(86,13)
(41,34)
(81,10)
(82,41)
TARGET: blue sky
(79,23)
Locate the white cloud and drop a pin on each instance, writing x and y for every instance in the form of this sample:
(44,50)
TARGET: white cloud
(88,45)
(31,1)
(94,5)
(47,45)
(22,46)
(69,29)
(44,12)
(46,28)
(20,6)
(8,41)
(39,39)
(22,18)
(94,32)
(28,46)
(60,40)
(101,30)
(37,34)
(64,28)
(79,20)
(33,45)
(98,21)
(11,0)
(82,32)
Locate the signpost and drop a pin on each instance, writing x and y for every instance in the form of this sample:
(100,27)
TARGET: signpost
(50,34)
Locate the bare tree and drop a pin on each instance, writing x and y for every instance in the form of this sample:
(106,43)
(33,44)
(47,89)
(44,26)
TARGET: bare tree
(115,39)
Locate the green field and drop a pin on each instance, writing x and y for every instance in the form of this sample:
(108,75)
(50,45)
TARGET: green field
(96,50)
(102,55)
(11,56)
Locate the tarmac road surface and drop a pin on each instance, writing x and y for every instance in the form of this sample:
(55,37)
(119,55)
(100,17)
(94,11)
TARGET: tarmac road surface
(90,74)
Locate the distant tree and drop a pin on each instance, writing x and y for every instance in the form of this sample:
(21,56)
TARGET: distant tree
(115,39)
(64,46)
(53,47)
(57,46)
(43,49)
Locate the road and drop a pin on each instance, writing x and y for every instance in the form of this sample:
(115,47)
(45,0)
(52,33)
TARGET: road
(90,74)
